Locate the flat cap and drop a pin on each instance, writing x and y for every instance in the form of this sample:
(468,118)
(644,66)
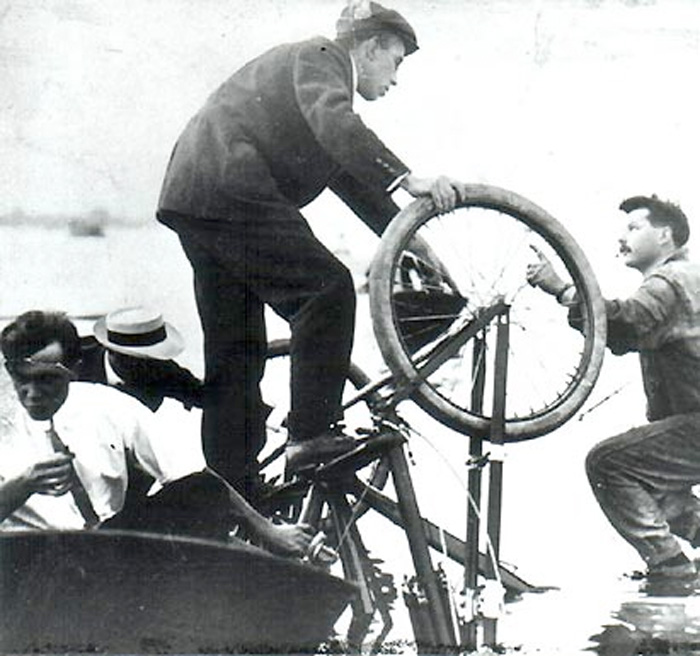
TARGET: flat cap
(365,19)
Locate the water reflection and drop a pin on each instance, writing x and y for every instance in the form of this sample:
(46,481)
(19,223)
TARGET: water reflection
(652,626)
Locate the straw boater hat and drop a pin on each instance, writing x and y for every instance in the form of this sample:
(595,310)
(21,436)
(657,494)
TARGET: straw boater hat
(139,331)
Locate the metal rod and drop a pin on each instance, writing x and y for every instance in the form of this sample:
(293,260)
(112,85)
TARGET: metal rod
(497,437)
(471,544)
(418,544)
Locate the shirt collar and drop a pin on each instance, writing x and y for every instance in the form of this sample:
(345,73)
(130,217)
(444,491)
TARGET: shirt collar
(679,255)
(112,377)
(353,81)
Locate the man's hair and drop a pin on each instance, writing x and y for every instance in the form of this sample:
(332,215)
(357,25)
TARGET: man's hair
(661,213)
(35,330)
(353,39)
(360,21)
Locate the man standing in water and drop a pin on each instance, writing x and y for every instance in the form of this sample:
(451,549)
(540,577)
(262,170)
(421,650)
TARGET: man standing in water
(642,479)
(266,143)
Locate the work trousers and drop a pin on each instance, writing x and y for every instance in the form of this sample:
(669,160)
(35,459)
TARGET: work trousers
(643,482)
(268,256)
(198,505)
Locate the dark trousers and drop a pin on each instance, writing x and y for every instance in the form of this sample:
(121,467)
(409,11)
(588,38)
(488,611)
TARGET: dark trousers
(197,505)
(266,256)
(642,480)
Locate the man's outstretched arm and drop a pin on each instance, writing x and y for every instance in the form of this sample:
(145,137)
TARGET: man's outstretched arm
(629,320)
(282,539)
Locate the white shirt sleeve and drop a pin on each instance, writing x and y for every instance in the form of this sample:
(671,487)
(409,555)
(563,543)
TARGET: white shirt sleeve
(139,430)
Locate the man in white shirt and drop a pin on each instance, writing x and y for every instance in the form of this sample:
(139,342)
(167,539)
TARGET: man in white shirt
(133,350)
(63,458)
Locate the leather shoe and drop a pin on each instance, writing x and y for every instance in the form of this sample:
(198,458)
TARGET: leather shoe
(671,580)
(313,452)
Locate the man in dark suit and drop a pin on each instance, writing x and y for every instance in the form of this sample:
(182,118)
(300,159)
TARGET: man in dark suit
(267,142)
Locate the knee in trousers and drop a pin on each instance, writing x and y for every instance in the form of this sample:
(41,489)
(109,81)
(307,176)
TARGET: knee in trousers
(595,465)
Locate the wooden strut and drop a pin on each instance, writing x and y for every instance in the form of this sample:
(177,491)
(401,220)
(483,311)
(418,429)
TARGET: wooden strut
(418,545)
(422,534)
(438,538)
(497,438)
(443,631)
(469,632)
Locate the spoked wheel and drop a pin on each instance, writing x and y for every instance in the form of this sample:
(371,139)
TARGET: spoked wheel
(358,418)
(438,285)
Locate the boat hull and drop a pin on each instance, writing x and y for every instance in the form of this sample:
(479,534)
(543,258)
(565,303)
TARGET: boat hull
(118,591)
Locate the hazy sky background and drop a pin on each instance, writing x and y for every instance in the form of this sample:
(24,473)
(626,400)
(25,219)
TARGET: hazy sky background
(572,103)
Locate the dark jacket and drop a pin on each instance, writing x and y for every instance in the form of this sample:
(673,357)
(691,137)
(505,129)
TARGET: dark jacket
(279,131)
(159,378)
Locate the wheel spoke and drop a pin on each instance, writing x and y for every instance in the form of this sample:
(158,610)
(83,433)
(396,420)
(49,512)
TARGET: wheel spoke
(471,260)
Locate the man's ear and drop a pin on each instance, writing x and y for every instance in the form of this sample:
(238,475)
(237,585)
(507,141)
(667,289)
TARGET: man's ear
(372,45)
(667,236)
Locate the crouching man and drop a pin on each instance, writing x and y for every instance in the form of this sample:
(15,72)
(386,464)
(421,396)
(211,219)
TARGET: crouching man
(64,453)
(643,478)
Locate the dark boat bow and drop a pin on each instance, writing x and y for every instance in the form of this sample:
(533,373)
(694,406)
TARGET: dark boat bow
(114,591)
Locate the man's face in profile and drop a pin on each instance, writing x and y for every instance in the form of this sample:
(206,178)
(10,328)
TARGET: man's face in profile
(377,66)
(41,381)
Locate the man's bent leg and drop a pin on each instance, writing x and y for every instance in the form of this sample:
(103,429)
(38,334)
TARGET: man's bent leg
(304,283)
(682,512)
(631,472)
(322,337)
(197,505)
(271,254)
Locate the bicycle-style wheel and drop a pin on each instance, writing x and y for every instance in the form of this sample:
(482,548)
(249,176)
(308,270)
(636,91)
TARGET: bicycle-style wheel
(276,393)
(440,282)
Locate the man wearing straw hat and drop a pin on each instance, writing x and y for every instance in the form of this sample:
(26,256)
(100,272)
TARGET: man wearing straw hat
(133,349)
(266,143)
(64,453)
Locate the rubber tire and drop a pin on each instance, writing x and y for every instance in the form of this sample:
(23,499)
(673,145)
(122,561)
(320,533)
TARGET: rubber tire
(399,233)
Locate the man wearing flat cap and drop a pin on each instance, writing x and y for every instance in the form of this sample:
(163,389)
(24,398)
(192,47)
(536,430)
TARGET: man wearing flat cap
(267,142)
